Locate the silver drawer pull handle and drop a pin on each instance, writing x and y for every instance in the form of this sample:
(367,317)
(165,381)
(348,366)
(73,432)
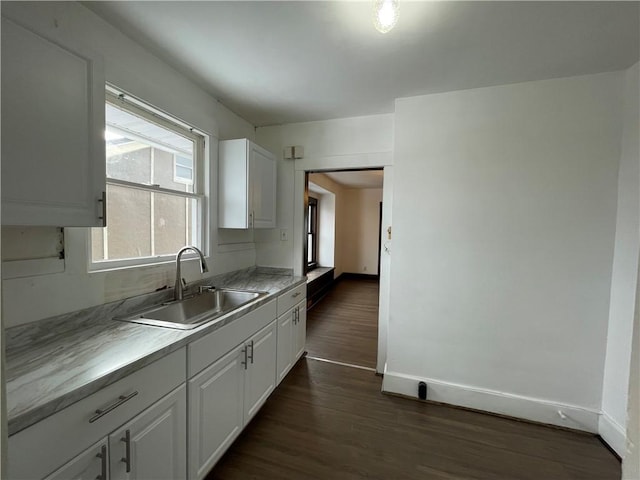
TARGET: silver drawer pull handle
(127,453)
(251,356)
(121,399)
(297,294)
(103,469)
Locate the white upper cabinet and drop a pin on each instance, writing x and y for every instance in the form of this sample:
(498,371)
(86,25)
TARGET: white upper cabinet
(53,153)
(247,185)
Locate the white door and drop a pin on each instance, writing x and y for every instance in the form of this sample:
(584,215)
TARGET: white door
(285,344)
(262,184)
(260,376)
(215,411)
(92,464)
(300,330)
(53,150)
(152,446)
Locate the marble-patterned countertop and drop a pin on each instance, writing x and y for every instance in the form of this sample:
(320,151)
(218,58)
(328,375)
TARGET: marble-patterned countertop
(53,363)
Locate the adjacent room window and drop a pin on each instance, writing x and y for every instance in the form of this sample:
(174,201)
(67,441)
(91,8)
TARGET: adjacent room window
(155,192)
(312,234)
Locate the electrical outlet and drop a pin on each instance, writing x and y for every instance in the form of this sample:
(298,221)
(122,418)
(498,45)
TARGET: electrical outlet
(284,235)
(364,269)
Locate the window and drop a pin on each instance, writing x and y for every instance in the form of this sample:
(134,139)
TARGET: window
(182,170)
(312,234)
(154,187)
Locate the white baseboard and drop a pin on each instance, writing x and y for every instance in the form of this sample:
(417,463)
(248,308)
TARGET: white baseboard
(613,433)
(518,406)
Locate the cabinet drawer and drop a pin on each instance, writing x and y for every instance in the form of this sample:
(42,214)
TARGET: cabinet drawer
(291,298)
(45,446)
(206,350)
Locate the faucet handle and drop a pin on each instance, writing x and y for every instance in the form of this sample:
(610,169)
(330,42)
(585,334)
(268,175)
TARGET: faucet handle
(205,288)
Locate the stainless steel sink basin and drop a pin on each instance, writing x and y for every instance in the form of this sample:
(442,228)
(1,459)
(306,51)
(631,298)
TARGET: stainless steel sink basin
(193,311)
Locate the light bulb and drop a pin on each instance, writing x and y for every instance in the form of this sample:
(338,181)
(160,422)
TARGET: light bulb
(385,14)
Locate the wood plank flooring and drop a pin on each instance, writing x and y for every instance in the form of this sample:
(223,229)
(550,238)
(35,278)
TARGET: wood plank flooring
(343,326)
(327,421)
(330,422)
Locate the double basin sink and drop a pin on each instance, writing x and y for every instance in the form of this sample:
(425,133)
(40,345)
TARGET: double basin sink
(193,311)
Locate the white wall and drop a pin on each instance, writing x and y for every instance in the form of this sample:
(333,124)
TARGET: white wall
(504,219)
(631,461)
(360,235)
(624,275)
(135,70)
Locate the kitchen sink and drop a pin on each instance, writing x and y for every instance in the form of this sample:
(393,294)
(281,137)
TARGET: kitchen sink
(193,311)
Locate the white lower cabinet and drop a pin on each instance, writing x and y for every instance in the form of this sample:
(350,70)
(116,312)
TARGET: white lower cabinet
(89,465)
(300,330)
(150,403)
(152,446)
(285,344)
(226,395)
(292,333)
(260,373)
(215,411)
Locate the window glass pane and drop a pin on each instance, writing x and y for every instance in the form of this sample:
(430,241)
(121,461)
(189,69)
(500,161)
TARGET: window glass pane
(310,247)
(184,162)
(128,231)
(141,151)
(183,173)
(128,160)
(183,170)
(144,224)
(173,221)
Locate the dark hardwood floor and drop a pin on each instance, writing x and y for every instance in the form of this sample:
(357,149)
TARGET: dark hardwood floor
(343,326)
(328,421)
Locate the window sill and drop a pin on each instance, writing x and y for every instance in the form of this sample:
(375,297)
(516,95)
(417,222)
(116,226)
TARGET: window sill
(155,262)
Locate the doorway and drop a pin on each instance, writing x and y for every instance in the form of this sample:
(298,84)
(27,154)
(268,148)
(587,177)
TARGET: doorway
(341,258)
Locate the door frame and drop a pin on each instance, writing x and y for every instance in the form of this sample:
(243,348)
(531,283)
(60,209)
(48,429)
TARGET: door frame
(381,161)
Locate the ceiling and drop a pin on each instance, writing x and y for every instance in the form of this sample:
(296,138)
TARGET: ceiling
(357,178)
(282,62)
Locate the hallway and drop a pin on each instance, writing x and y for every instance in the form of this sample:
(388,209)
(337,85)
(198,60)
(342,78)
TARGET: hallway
(343,326)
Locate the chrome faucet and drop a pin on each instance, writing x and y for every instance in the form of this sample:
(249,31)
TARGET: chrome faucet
(178,292)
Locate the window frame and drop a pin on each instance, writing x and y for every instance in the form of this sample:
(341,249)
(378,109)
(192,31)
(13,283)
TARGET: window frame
(199,194)
(312,229)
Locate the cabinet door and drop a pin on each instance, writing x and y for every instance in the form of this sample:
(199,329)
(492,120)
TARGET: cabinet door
(260,376)
(215,411)
(91,464)
(300,331)
(53,152)
(153,446)
(285,344)
(262,184)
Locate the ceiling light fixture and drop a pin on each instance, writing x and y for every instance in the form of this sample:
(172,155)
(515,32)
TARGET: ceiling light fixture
(385,14)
